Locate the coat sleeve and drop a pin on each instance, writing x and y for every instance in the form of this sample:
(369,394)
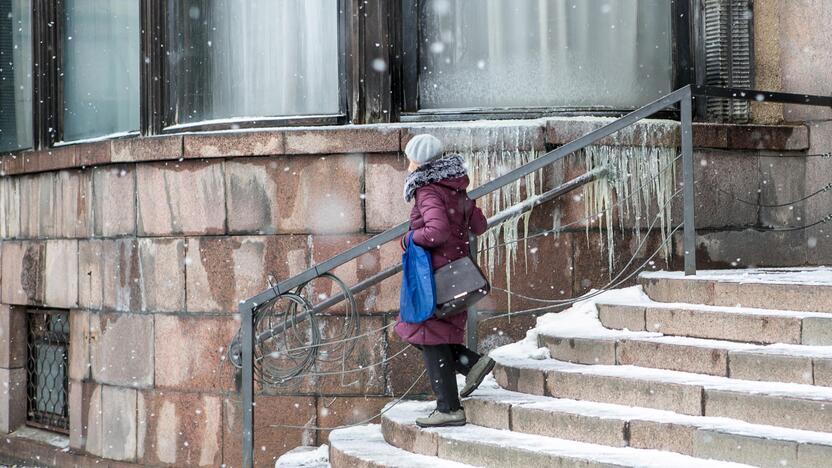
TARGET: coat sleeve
(478,223)
(436,229)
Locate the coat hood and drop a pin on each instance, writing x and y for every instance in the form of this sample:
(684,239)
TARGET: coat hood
(457,184)
(446,171)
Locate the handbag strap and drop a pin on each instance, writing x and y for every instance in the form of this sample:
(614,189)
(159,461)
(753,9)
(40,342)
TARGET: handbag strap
(467,211)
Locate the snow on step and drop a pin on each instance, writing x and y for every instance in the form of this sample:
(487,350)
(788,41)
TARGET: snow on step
(525,367)
(720,322)
(789,405)
(808,289)
(808,276)
(364,446)
(500,448)
(305,457)
(810,365)
(617,425)
(632,310)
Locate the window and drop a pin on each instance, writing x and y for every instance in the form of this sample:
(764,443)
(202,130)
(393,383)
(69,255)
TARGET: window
(613,54)
(47,370)
(252,59)
(105,69)
(15,75)
(101,59)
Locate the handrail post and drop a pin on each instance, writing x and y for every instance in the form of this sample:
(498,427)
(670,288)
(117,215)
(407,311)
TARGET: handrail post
(689,236)
(247,386)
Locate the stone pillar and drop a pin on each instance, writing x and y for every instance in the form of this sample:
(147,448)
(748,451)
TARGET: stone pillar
(767,69)
(12,368)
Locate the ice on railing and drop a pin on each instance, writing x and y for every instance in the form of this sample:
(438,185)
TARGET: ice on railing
(640,179)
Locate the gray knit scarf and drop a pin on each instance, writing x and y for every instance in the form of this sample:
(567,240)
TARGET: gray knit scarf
(447,167)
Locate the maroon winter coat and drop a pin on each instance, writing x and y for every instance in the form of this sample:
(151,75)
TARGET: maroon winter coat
(437,222)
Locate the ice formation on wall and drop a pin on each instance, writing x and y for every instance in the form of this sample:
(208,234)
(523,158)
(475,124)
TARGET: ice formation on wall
(640,181)
(498,155)
(636,191)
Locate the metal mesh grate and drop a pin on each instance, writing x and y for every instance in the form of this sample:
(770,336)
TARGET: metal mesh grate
(727,42)
(47,370)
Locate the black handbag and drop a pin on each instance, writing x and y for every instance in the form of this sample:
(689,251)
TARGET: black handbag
(459,284)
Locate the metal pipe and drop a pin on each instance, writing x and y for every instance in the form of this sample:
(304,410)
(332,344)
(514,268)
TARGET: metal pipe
(539,163)
(392,271)
(689,235)
(582,142)
(247,387)
(764,96)
(556,192)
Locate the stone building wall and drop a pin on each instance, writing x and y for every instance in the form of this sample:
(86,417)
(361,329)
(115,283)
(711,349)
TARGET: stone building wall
(151,243)
(792,54)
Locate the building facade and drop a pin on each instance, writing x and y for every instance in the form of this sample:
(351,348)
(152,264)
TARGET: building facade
(163,161)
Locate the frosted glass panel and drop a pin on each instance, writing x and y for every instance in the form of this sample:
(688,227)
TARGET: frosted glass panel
(15,75)
(101,68)
(253,58)
(554,53)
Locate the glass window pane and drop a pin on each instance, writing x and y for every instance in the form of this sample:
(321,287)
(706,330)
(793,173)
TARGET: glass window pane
(101,68)
(554,53)
(258,58)
(15,75)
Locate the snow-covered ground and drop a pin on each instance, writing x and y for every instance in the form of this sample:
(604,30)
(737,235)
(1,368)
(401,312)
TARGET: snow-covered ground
(305,457)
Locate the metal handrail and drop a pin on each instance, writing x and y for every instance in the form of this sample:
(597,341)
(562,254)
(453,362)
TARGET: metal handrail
(533,166)
(365,284)
(247,308)
(682,96)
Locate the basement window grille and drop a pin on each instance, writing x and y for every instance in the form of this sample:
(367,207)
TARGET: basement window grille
(48,343)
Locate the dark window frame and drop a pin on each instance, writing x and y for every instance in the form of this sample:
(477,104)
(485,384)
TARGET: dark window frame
(160,114)
(47,82)
(367,96)
(408,98)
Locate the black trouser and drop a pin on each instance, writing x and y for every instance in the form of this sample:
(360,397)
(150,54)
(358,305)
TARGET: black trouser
(443,362)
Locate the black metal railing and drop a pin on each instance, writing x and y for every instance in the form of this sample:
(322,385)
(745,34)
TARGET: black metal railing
(249,307)
(47,371)
(683,98)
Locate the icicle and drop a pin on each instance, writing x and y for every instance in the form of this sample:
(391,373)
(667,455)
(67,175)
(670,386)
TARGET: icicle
(485,165)
(638,176)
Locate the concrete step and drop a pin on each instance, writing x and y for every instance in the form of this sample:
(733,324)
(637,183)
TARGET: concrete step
(802,289)
(364,447)
(788,405)
(766,326)
(484,446)
(625,426)
(811,365)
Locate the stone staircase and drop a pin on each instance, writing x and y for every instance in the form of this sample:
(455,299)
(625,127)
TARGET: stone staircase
(728,368)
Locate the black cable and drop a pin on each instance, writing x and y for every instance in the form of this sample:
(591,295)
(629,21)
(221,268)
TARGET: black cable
(827,188)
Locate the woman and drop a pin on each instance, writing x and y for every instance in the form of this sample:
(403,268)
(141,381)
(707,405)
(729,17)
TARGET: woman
(440,221)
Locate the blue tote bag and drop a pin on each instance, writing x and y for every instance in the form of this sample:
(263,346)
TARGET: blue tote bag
(418,295)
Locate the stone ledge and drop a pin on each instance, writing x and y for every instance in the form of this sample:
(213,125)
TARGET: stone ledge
(391,138)
(652,132)
(25,449)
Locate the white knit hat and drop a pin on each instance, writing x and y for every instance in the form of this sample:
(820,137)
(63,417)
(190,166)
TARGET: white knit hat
(423,149)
